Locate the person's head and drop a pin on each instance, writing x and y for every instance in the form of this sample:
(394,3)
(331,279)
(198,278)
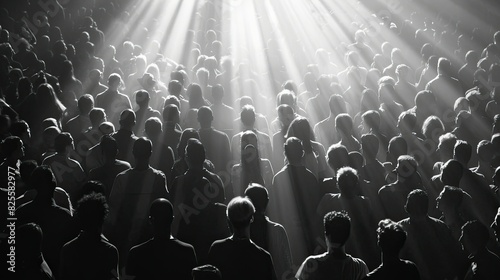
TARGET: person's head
(127,119)
(195,154)
(175,87)
(407,166)
(97,116)
(337,228)
(44,181)
(247,116)
(371,119)
(259,197)
(294,151)
(217,93)
(153,127)
(337,105)
(64,143)
(446,145)
(474,237)
(407,122)
(286,115)
(171,114)
(449,199)
(195,96)
(240,211)
(114,81)
(370,146)
(397,147)
(433,128)
(12,148)
(206,272)
(337,157)
(142,98)
(142,149)
(348,182)
(29,239)
(109,147)
(85,104)
(91,211)
(444,66)
(186,134)
(417,203)
(462,152)
(205,116)
(161,215)
(391,237)
(451,173)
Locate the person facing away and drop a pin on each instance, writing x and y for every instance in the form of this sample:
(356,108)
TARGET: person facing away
(131,191)
(237,257)
(90,255)
(31,263)
(267,234)
(162,256)
(391,238)
(335,263)
(485,264)
(112,101)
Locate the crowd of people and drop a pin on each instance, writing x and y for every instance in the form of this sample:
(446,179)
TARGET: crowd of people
(128,163)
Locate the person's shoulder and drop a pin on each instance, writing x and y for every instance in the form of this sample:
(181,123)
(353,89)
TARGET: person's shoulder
(142,248)
(156,172)
(182,245)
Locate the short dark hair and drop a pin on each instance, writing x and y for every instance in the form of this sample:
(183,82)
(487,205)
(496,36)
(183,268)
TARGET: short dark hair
(109,146)
(476,233)
(258,195)
(417,203)
(240,211)
(247,115)
(337,227)
(62,141)
(91,211)
(85,103)
(142,148)
(195,152)
(391,236)
(171,113)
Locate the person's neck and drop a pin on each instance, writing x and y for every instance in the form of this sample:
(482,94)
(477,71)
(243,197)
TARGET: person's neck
(162,234)
(389,258)
(242,233)
(336,252)
(141,164)
(205,126)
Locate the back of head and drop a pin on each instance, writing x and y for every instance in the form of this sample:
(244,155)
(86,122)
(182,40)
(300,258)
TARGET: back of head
(142,148)
(337,104)
(161,212)
(97,116)
(348,181)
(206,272)
(293,149)
(462,151)
(407,122)
(174,87)
(476,234)
(44,180)
(417,203)
(407,166)
(337,156)
(91,211)
(371,118)
(9,145)
(153,127)
(171,114)
(217,92)
(391,236)
(240,211)
(29,239)
(259,197)
(451,172)
(195,153)
(485,151)
(85,103)
(444,66)
(127,118)
(337,227)
(142,97)
(109,146)
(205,115)
(247,115)
(398,146)
(62,141)
(344,124)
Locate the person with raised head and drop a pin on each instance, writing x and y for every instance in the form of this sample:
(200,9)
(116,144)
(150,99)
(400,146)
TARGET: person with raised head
(144,111)
(335,262)
(132,189)
(295,195)
(56,223)
(112,166)
(237,257)
(391,239)
(68,172)
(90,255)
(112,101)
(485,264)
(216,142)
(163,256)
(393,196)
(430,243)
(267,234)
(248,117)
(31,262)
(125,137)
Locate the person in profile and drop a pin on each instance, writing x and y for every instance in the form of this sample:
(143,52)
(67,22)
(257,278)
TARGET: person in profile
(335,262)
(90,255)
(163,256)
(237,257)
(485,264)
(391,238)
